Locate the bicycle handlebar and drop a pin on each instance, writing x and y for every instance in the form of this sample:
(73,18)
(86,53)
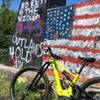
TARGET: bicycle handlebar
(53,55)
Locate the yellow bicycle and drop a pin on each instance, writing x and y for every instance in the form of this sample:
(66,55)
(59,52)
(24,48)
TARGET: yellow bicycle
(33,84)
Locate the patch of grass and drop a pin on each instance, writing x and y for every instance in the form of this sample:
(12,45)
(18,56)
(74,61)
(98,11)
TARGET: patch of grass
(4,87)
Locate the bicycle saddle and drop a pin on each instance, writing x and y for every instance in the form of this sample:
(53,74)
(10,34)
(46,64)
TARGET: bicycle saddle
(89,60)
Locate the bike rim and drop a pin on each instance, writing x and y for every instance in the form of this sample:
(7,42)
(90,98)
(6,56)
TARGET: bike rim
(21,91)
(94,90)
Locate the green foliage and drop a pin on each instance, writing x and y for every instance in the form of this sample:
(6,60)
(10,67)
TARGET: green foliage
(7,23)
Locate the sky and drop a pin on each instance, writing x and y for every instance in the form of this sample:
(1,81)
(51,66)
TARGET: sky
(15,4)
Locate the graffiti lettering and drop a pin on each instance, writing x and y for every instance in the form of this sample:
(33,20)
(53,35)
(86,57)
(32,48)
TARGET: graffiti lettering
(33,27)
(19,63)
(23,42)
(29,11)
(28,33)
(23,50)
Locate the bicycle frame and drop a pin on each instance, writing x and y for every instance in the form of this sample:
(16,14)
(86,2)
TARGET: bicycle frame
(60,91)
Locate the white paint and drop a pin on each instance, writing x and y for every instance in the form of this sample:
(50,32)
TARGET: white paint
(11,52)
(27,12)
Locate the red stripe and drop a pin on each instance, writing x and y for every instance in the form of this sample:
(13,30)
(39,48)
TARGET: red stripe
(76,48)
(92,2)
(86,16)
(74,60)
(84,38)
(85,26)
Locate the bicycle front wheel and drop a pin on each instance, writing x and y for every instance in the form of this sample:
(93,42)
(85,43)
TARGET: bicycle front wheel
(19,88)
(92,87)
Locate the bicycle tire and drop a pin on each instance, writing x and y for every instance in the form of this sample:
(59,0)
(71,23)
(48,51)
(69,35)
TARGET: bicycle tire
(90,85)
(14,85)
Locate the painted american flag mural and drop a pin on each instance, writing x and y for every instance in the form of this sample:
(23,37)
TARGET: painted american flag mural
(75,31)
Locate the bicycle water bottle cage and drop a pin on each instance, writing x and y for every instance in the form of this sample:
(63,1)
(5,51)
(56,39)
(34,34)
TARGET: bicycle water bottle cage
(88,60)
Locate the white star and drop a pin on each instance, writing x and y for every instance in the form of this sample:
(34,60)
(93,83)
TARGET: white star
(61,13)
(63,25)
(71,8)
(55,11)
(67,29)
(61,17)
(60,21)
(65,10)
(57,17)
(54,18)
(48,13)
(68,17)
(62,28)
(58,11)
(57,28)
(64,19)
(57,24)
(68,13)
(67,23)
(65,15)
(57,31)
(56,21)
(69,35)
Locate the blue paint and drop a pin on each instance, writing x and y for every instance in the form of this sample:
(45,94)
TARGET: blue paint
(38,26)
(71,2)
(26,24)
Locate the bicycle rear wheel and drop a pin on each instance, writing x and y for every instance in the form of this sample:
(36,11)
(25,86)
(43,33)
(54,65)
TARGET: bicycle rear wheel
(92,87)
(19,88)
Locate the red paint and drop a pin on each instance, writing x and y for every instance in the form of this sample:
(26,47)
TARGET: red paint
(84,38)
(86,16)
(85,26)
(91,2)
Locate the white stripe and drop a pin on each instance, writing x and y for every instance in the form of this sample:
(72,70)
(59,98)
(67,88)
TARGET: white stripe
(91,9)
(86,32)
(75,54)
(78,43)
(87,71)
(90,21)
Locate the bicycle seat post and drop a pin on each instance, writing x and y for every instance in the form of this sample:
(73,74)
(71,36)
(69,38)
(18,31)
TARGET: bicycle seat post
(85,61)
(83,65)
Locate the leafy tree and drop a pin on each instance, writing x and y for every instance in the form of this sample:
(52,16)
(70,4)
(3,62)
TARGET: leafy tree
(7,23)
(6,2)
